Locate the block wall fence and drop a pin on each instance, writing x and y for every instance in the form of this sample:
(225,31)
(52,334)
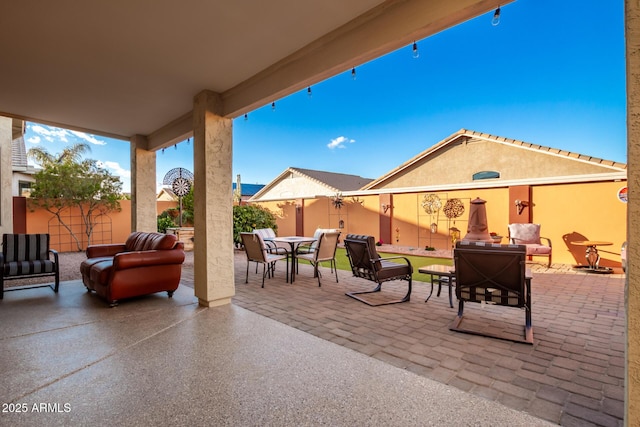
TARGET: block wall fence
(567,213)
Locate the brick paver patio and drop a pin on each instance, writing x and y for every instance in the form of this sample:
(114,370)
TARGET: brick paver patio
(572,375)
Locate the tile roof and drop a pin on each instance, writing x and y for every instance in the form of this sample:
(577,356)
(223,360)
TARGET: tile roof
(18,153)
(465,133)
(337,181)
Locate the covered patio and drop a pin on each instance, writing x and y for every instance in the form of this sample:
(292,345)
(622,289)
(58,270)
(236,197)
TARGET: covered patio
(155,76)
(299,354)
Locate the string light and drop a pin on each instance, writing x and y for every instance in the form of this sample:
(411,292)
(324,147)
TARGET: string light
(273,106)
(309,94)
(496,17)
(416,54)
(353,73)
(246,117)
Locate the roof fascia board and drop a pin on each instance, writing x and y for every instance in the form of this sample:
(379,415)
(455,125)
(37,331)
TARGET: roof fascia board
(558,180)
(513,143)
(572,179)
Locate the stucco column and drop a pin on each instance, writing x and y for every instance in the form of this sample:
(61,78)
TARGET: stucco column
(213,202)
(6,174)
(143,186)
(632,377)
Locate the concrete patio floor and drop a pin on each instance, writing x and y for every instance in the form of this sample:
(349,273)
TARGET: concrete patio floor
(155,360)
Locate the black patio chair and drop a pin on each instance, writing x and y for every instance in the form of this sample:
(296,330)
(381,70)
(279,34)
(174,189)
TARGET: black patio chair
(367,264)
(492,274)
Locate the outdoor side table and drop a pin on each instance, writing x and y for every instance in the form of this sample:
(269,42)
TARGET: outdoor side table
(294,242)
(442,275)
(592,256)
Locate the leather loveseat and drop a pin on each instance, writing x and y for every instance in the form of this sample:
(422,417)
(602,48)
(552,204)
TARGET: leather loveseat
(145,264)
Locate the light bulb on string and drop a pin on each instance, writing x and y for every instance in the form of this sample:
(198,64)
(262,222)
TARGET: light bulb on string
(353,73)
(309,94)
(246,117)
(273,106)
(496,17)
(415,53)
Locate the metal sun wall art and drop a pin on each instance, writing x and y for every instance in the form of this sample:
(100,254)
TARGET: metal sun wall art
(180,180)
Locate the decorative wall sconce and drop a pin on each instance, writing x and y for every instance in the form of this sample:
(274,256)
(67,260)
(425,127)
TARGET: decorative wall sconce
(455,236)
(341,224)
(434,228)
(385,207)
(521,204)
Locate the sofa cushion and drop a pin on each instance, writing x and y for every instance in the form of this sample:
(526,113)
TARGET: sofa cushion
(21,268)
(535,249)
(524,234)
(100,272)
(141,241)
(85,267)
(24,247)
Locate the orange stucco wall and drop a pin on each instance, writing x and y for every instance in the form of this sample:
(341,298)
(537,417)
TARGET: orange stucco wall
(115,228)
(574,212)
(567,212)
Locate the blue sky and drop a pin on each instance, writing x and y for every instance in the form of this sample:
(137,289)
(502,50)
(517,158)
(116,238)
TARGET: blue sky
(551,73)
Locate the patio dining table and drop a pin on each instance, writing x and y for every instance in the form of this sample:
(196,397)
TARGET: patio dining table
(294,243)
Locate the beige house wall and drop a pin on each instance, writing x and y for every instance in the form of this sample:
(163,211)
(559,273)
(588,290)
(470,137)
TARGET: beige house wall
(293,186)
(457,162)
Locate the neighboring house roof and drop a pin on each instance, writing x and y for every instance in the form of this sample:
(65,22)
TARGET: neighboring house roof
(303,183)
(18,153)
(166,193)
(457,158)
(248,189)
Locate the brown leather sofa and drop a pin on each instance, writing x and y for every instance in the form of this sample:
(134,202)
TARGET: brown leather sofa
(145,264)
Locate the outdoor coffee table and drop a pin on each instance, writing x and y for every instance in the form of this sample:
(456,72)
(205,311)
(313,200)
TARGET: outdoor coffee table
(294,242)
(592,256)
(441,274)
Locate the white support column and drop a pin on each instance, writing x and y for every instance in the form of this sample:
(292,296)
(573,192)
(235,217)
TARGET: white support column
(143,186)
(6,177)
(632,374)
(213,202)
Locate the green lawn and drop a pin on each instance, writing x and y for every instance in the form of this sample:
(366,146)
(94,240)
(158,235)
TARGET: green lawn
(416,261)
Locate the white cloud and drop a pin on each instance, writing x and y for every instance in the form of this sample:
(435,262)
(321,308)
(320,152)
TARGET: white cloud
(34,140)
(340,142)
(49,132)
(89,138)
(115,168)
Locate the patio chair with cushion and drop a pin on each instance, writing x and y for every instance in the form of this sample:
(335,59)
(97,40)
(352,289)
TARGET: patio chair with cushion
(492,274)
(367,264)
(325,250)
(272,247)
(529,235)
(257,251)
(305,249)
(28,255)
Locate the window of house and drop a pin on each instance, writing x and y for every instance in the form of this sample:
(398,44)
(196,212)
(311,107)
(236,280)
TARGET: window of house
(485,175)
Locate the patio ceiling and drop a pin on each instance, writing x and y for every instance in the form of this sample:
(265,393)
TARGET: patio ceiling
(125,68)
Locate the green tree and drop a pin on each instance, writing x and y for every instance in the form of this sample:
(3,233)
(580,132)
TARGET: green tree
(69,155)
(66,181)
(187,207)
(248,217)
